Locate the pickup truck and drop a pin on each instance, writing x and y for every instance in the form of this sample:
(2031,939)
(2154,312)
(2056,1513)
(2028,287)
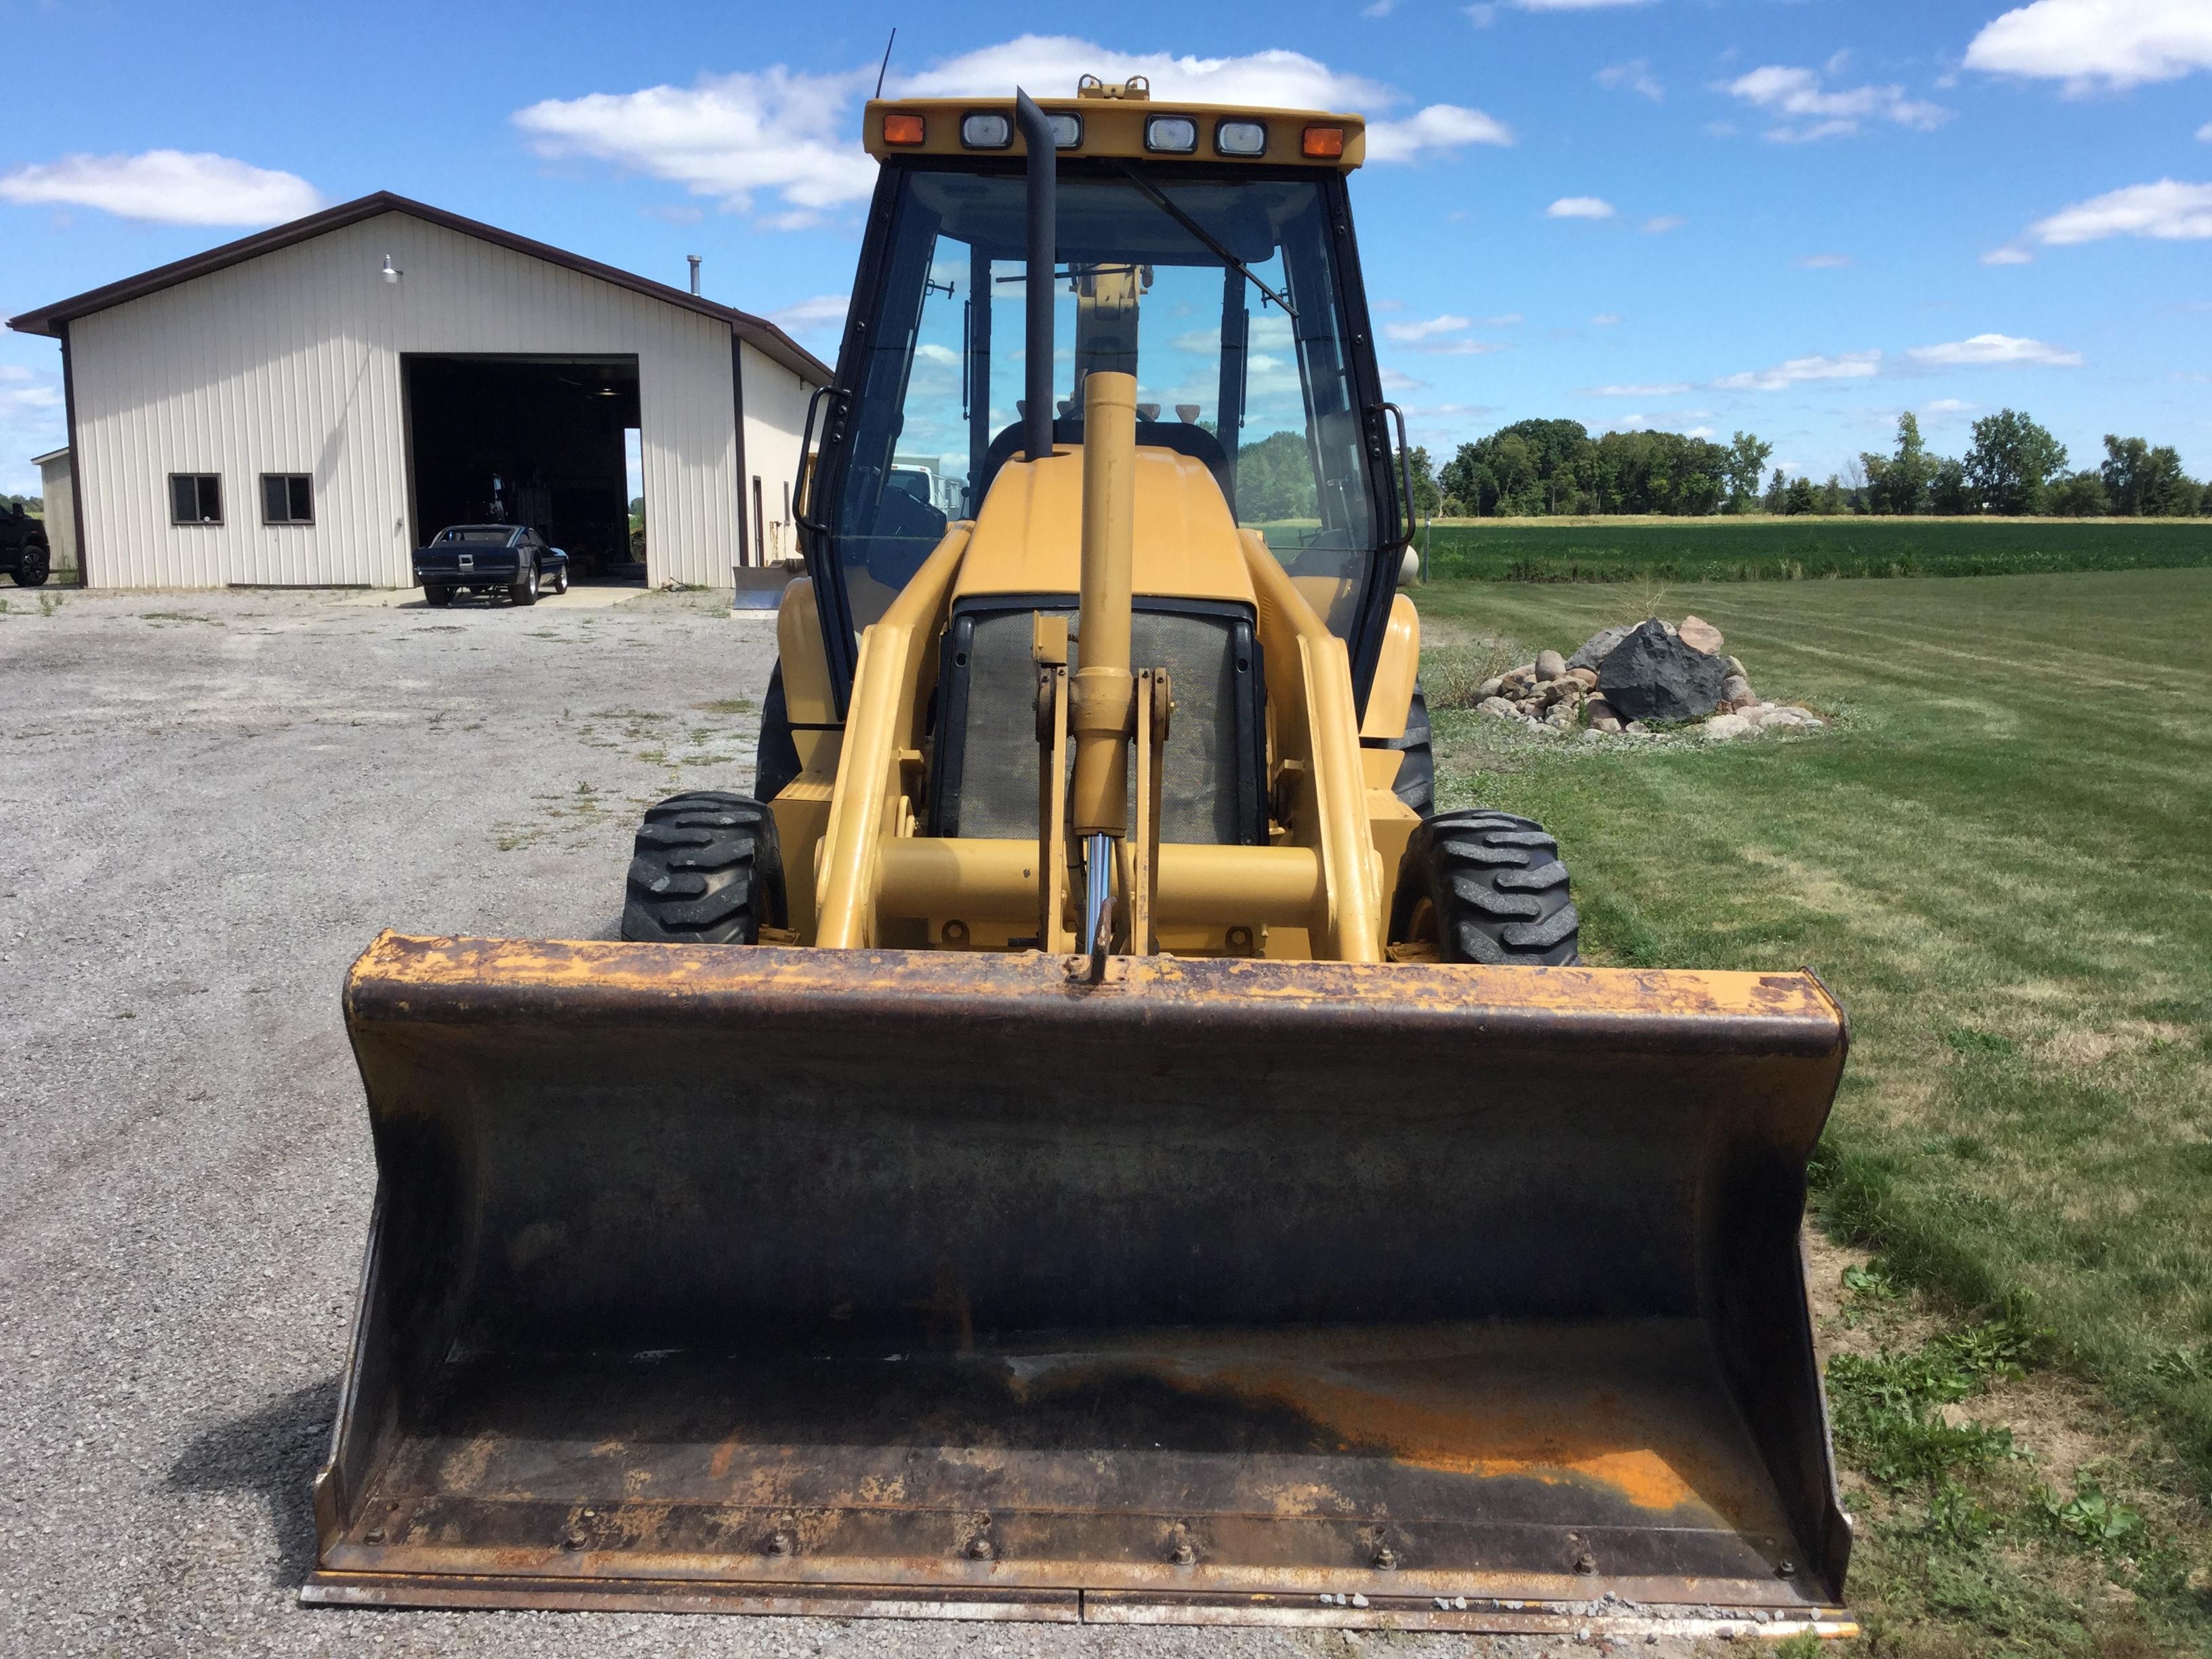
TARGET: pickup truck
(490,559)
(23,552)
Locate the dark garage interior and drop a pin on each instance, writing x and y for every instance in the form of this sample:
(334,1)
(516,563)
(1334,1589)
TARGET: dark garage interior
(526,440)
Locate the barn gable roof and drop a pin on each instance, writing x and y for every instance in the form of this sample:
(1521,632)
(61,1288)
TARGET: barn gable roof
(757,331)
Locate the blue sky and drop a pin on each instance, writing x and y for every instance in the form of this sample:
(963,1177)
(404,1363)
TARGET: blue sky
(1796,218)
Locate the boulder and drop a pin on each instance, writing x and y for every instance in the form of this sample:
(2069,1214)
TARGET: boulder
(1653,675)
(1592,651)
(1498,707)
(1737,669)
(1604,723)
(1600,709)
(1736,689)
(1585,677)
(1700,636)
(1489,688)
(1550,665)
(1725,728)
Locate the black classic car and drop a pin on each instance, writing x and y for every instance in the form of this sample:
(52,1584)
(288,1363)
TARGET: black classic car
(490,559)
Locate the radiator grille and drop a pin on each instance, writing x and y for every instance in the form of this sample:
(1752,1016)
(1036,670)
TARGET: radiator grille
(989,757)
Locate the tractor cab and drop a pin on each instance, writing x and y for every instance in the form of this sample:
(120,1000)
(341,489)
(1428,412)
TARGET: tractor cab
(1208,252)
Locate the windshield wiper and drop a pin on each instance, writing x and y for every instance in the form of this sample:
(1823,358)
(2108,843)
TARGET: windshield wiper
(1200,231)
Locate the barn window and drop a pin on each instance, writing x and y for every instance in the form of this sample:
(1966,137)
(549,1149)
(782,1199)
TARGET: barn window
(287,498)
(194,498)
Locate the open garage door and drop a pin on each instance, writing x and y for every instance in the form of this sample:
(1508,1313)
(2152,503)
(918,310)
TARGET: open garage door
(526,440)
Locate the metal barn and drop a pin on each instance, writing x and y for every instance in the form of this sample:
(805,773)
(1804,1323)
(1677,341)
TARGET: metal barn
(302,407)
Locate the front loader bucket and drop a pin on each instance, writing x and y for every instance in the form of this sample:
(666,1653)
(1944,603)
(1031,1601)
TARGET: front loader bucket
(931,1284)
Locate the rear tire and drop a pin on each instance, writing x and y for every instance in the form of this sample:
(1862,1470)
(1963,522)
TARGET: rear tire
(436,594)
(707,870)
(36,565)
(525,591)
(775,758)
(1416,783)
(1484,886)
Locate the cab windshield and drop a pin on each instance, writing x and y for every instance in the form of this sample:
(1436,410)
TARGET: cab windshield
(1219,293)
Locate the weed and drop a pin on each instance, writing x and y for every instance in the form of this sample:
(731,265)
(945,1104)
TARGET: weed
(1803,1645)
(1889,1408)
(51,603)
(726,706)
(2090,1517)
(1453,677)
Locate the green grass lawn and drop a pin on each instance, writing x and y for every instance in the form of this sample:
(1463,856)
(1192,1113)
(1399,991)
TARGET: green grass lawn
(1782,550)
(2001,859)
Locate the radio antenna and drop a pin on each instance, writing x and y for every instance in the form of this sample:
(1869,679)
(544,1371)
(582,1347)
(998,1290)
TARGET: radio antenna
(888,45)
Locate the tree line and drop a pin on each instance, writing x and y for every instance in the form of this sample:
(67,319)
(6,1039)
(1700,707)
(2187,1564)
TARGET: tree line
(1543,468)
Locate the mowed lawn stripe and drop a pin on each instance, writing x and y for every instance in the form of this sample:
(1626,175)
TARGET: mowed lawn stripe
(2001,860)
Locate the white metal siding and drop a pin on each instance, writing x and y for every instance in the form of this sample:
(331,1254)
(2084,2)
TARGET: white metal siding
(290,362)
(775,412)
(56,491)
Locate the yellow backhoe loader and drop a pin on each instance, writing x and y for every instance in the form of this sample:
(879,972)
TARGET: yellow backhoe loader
(1086,1141)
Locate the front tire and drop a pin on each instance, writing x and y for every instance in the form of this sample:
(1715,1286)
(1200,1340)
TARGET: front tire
(36,565)
(525,591)
(1484,886)
(561,580)
(707,870)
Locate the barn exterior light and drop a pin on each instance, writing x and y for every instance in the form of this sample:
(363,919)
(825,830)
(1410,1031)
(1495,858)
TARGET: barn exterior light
(391,272)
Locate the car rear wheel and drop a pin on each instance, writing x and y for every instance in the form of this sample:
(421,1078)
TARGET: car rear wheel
(437,593)
(525,591)
(34,567)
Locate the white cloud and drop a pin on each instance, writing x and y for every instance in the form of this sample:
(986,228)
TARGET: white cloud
(2167,211)
(1572,5)
(1665,389)
(1824,262)
(822,312)
(727,138)
(2087,44)
(1395,380)
(1948,406)
(2204,133)
(1806,109)
(1847,365)
(1406,333)
(1699,432)
(1506,321)
(1987,350)
(167,186)
(1439,127)
(1378,8)
(1605,319)
(1579,207)
(1634,75)
(1664,223)
(731,137)
(2007,256)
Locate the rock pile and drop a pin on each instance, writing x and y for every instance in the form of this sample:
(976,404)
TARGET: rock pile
(1626,679)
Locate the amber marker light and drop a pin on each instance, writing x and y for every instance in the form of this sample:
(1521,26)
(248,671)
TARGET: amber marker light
(908,129)
(1325,143)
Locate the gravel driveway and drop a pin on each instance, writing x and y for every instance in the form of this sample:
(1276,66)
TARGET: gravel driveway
(209,802)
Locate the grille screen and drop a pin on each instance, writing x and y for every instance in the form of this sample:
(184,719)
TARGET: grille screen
(1201,798)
